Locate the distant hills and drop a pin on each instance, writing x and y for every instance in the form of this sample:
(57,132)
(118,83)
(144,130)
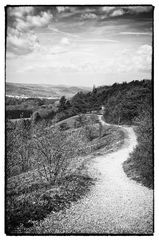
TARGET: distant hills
(42,90)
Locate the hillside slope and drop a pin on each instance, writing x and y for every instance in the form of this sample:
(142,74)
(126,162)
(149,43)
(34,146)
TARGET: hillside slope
(115,205)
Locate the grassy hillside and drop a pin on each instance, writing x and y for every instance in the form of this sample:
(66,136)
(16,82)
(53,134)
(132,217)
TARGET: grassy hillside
(54,172)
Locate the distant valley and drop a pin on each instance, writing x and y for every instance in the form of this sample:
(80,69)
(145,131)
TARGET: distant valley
(21,90)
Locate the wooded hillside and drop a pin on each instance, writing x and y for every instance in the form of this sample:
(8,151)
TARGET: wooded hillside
(123,102)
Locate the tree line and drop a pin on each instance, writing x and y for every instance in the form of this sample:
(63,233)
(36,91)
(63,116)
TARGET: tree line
(123,102)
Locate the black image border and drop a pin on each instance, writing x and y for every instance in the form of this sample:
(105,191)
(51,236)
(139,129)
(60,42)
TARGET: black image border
(152,75)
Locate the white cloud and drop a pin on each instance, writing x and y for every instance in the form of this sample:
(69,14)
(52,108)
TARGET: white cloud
(20,11)
(20,37)
(145,49)
(61,60)
(65,41)
(137,61)
(72,35)
(138,9)
(135,33)
(118,12)
(22,43)
(97,40)
(88,16)
(107,9)
(143,58)
(61,9)
(30,22)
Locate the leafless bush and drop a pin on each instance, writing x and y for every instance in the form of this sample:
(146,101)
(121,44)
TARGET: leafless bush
(53,150)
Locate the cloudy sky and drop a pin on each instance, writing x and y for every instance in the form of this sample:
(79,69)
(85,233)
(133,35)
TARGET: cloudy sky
(77,45)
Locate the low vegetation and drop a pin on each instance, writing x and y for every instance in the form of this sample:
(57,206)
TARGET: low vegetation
(47,168)
(140,165)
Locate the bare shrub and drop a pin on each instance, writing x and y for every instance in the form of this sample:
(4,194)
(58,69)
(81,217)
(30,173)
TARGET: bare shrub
(53,150)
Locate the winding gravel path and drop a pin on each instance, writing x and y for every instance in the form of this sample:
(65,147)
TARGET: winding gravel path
(116,204)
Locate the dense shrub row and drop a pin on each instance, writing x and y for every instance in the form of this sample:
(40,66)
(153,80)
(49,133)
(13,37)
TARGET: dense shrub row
(13,114)
(140,165)
(25,107)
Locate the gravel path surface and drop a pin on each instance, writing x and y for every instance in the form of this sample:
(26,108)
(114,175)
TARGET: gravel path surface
(115,205)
